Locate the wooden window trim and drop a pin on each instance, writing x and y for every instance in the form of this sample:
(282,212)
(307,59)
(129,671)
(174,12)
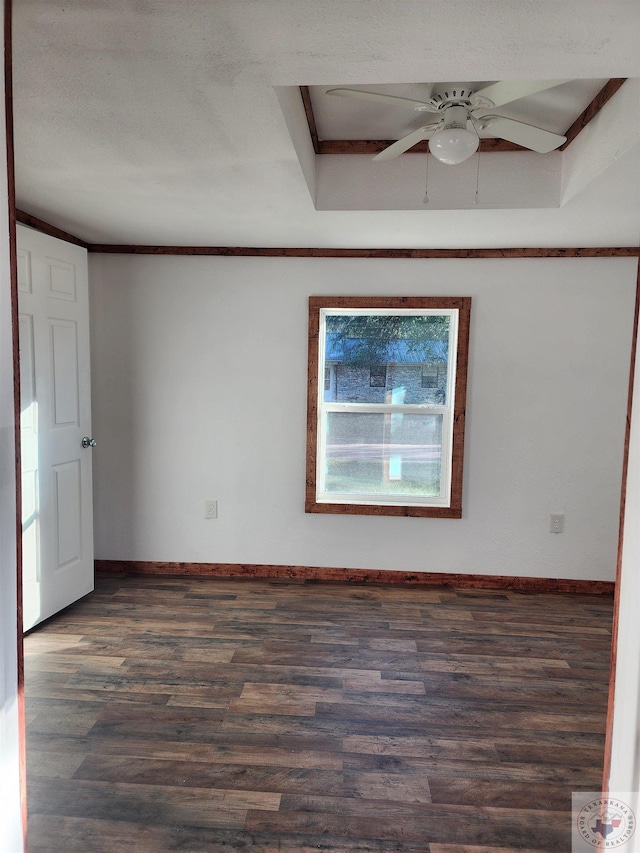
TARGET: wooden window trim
(463,304)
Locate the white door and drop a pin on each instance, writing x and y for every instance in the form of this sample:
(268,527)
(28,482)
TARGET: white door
(57,504)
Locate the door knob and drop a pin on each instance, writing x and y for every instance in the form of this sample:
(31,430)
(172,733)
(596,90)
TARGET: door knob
(88,442)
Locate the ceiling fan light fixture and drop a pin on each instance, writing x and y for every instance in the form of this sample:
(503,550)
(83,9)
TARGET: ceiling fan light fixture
(453,145)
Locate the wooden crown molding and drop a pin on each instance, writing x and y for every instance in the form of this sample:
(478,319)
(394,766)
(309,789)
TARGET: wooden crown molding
(375,146)
(46,228)
(308,109)
(304,252)
(422,254)
(607,91)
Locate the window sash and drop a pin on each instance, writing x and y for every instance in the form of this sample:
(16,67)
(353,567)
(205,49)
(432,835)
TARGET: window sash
(388,499)
(446,411)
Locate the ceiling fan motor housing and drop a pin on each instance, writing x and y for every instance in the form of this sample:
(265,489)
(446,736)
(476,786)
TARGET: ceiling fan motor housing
(455,116)
(447,95)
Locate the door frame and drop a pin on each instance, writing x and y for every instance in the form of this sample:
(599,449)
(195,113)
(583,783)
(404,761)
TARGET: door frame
(13,272)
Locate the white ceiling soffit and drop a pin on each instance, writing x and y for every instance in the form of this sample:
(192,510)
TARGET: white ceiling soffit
(509,180)
(156,122)
(613,132)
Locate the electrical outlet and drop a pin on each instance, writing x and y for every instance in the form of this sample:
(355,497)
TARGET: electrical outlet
(211,509)
(557,523)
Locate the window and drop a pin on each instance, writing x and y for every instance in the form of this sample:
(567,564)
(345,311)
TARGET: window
(386,436)
(432,374)
(378,376)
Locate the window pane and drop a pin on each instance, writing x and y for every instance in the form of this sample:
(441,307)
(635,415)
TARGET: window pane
(378,376)
(374,454)
(387,359)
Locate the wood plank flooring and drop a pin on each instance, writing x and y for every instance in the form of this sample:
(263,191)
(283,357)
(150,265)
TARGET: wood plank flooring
(192,714)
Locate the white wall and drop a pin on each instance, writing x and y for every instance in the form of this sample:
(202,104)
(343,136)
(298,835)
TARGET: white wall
(625,751)
(10,815)
(548,377)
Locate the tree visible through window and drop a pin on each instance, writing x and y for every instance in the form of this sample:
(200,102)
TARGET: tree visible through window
(386,429)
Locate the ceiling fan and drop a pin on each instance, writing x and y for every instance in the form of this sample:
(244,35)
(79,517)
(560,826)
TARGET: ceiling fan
(455,135)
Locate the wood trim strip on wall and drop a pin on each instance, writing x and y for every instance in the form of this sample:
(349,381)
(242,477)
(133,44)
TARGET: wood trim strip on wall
(623,502)
(607,91)
(374,576)
(310,252)
(13,265)
(311,119)
(46,228)
(421,254)
(375,146)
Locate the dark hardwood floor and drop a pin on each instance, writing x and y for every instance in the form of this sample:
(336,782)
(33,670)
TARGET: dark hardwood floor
(180,714)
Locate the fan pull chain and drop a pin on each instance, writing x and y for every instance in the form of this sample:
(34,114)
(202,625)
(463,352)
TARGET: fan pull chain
(425,200)
(476,197)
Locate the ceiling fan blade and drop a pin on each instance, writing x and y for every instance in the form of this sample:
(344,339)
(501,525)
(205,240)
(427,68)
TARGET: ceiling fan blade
(406,142)
(508,90)
(523,134)
(396,100)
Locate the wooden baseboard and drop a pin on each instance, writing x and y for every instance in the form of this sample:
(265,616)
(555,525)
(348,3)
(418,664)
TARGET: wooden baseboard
(375,576)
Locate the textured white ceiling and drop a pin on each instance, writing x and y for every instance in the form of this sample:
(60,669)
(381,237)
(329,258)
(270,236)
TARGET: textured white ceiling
(156,121)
